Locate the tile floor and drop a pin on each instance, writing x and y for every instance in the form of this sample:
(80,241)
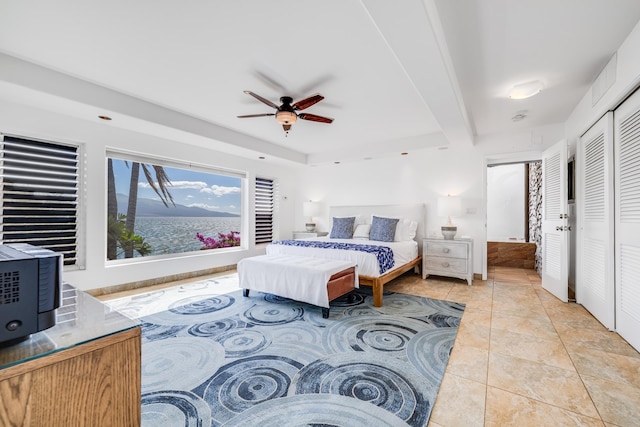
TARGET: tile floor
(522,358)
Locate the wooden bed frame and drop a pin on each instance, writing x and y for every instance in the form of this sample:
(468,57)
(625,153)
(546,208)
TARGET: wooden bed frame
(414,212)
(377,283)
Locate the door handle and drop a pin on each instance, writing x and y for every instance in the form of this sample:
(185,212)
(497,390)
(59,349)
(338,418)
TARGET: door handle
(558,228)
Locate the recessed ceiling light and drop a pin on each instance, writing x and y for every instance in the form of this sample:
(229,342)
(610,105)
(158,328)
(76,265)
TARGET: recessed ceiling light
(518,117)
(404,153)
(261,157)
(107,118)
(336,163)
(443,148)
(525,90)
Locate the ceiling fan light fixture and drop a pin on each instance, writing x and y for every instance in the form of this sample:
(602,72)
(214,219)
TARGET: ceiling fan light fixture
(286,117)
(525,90)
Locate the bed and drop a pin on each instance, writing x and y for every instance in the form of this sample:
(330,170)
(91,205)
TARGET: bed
(406,253)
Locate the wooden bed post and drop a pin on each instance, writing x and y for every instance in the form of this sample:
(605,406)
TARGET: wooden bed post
(377,283)
(378,287)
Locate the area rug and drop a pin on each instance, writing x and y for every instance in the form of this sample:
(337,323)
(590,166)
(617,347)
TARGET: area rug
(263,360)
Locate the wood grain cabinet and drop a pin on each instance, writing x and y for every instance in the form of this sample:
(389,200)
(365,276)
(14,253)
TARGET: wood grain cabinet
(450,258)
(85,371)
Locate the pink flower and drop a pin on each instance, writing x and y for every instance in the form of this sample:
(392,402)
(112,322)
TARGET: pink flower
(224,240)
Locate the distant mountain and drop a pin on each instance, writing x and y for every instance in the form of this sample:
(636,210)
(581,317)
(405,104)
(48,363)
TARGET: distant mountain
(149,207)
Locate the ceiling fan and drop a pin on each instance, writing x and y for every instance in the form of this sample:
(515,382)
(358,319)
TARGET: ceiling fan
(286,114)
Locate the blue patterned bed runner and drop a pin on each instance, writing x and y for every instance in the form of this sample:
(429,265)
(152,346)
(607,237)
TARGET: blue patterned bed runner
(384,254)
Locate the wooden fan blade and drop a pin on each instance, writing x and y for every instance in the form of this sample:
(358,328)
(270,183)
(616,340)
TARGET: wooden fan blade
(308,102)
(256,115)
(314,118)
(261,99)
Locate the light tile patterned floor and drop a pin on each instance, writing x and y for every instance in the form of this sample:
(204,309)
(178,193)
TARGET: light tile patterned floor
(523,358)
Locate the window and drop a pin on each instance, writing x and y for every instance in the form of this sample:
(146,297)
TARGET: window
(40,195)
(159,207)
(264,205)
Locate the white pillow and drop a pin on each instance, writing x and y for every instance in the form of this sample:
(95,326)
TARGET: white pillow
(406,230)
(362,231)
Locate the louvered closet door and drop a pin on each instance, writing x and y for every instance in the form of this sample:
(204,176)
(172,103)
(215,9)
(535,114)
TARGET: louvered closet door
(627,219)
(594,258)
(555,242)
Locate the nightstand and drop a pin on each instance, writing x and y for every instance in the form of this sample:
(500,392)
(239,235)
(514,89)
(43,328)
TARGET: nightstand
(308,234)
(451,258)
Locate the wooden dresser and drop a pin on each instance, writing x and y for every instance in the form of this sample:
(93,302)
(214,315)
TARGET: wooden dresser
(84,371)
(451,258)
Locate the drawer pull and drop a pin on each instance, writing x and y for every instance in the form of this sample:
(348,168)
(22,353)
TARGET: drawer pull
(445,264)
(446,250)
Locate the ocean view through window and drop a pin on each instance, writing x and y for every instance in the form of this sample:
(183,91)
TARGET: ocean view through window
(158,208)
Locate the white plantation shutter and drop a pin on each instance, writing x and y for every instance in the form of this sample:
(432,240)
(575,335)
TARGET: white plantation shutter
(264,206)
(594,170)
(39,183)
(555,272)
(595,243)
(627,221)
(552,187)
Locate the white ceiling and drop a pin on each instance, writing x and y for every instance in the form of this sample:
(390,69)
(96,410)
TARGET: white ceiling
(396,75)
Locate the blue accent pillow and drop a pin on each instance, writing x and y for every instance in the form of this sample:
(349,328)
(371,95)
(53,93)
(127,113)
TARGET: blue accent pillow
(342,227)
(383,229)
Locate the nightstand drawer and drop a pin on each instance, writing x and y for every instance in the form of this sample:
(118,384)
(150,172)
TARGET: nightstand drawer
(446,250)
(452,258)
(446,265)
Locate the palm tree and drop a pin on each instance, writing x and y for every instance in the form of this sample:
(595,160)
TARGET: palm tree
(112,211)
(159,185)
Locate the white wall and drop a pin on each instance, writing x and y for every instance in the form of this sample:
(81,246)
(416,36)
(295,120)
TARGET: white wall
(505,203)
(585,114)
(96,138)
(420,177)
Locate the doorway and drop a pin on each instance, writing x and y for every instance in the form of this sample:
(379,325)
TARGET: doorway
(514,216)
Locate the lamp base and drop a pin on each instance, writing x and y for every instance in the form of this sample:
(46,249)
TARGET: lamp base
(449,231)
(310,226)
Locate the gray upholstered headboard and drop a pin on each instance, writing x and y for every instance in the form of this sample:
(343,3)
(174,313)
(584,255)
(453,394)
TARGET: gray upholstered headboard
(415,212)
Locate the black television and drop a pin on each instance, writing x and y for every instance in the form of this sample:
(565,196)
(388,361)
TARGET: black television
(30,286)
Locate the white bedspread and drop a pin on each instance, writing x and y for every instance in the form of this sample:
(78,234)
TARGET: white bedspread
(403,252)
(291,276)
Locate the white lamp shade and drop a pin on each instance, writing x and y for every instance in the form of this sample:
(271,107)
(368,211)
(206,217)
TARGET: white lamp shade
(311,209)
(449,206)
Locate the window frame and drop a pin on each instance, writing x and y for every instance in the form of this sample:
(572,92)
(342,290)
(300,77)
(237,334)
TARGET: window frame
(273,211)
(139,157)
(80,195)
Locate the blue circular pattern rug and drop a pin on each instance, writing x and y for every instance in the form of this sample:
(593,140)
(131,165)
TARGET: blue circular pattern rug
(229,360)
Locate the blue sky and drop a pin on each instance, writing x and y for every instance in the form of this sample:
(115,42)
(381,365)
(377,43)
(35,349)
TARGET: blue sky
(190,188)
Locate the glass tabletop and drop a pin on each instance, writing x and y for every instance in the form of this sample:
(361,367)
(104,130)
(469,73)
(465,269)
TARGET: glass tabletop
(79,319)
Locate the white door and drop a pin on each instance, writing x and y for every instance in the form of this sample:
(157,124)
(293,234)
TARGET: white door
(555,232)
(594,197)
(627,219)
